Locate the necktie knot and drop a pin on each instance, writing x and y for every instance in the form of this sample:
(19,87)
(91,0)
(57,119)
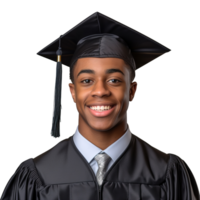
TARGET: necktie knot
(103,160)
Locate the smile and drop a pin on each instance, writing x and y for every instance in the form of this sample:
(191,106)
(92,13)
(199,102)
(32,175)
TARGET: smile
(101,110)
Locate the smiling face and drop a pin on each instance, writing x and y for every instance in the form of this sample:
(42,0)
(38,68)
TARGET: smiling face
(102,90)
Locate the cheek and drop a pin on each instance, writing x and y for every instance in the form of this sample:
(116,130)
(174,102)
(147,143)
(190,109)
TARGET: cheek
(81,97)
(126,94)
(125,100)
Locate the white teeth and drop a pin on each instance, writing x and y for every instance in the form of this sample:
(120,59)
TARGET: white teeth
(100,108)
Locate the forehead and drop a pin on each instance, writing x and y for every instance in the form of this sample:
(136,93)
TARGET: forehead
(100,64)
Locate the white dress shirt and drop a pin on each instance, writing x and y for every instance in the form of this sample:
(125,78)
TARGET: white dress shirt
(89,150)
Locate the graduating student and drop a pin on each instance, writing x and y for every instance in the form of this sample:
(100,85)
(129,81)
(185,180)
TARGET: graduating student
(103,160)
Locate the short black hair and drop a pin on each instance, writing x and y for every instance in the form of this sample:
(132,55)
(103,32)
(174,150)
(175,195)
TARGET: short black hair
(71,73)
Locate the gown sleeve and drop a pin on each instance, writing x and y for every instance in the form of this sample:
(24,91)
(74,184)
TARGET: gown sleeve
(180,183)
(24,183)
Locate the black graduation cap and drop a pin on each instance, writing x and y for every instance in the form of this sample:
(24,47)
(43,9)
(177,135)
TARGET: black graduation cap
(85,40)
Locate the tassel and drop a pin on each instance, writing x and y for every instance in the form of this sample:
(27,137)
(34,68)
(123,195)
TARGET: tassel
(57,109)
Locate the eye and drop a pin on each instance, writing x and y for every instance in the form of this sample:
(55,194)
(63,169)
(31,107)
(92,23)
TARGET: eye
(110,80)
(115,79)
(84,80)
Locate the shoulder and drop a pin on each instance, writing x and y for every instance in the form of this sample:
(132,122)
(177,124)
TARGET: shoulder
(179,178)
(155,163)
(178,166)
(24,180)
(51,164)
(149,149)
(164,160)
(27,169)
(170,163)
(52,155)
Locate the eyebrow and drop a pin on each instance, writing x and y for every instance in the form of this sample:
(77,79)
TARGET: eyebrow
(108,71)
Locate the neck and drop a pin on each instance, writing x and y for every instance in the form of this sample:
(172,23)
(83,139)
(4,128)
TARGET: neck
(103,138)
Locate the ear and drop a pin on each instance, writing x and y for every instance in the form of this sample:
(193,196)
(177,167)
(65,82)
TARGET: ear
(132,90)
(72,90)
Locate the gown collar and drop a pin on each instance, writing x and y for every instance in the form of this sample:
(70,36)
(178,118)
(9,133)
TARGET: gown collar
(89,150)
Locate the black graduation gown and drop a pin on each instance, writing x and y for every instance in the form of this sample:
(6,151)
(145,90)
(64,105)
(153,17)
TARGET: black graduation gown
(142,172)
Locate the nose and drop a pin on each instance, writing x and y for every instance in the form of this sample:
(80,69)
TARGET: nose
(100,88)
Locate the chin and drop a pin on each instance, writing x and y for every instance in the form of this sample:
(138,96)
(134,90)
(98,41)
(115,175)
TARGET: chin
(101,127)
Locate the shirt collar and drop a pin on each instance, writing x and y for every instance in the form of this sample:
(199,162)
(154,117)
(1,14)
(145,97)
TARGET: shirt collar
(89,150)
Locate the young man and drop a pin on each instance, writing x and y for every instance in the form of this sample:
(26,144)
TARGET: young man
(103,159)
(113,89)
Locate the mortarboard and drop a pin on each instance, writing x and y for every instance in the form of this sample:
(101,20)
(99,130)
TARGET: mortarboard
(98,36)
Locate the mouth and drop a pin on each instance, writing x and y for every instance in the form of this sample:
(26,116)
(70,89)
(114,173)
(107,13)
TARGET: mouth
(103,105)
(101,110)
